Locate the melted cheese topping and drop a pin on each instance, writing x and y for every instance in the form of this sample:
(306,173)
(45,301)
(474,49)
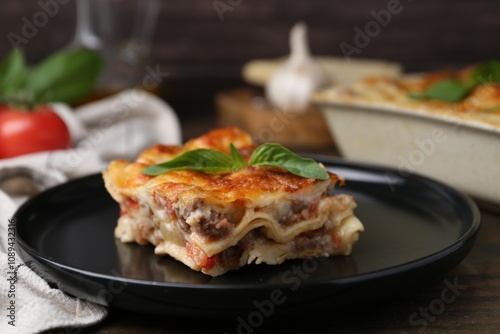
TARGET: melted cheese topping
(481,105)
(217,222)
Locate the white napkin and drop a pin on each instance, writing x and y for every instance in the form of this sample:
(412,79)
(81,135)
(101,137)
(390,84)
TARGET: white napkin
(117,127)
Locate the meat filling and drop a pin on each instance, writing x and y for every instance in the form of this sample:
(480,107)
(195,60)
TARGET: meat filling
(207,221)
(300,211)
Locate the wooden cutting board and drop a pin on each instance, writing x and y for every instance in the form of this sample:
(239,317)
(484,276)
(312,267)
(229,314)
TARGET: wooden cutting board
(248,109)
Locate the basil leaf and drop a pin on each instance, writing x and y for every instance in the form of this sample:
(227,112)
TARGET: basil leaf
(65,76)
(213,161)
(13,73)
(202,160)
(486,72)
(279,156)
(452,91)
(448,90)
(238,160)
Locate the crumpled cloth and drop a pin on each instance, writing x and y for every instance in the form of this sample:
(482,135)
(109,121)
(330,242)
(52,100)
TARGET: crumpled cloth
(121,127)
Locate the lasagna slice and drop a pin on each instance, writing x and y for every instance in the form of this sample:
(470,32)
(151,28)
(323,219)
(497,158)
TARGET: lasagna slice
(216,222)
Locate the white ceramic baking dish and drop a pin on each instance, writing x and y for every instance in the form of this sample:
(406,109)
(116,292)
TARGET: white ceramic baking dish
(462,150)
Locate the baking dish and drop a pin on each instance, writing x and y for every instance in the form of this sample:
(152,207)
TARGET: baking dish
(460,149)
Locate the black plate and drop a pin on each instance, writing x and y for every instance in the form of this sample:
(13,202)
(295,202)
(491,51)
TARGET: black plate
(416,230)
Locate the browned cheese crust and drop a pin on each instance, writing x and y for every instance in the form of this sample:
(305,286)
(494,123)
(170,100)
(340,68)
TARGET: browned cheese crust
(216,222)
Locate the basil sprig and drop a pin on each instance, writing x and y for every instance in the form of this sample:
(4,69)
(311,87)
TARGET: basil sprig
(13,73)
(213,161)
(201,160)
(65,76)
(452,90)
(448,90)
(278,156)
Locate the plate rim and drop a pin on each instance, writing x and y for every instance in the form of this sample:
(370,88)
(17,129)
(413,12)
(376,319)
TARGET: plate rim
(457,244)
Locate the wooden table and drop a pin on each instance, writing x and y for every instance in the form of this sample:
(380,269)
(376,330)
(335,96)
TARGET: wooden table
(474,307)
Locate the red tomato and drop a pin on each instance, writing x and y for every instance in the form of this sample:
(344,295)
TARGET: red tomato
(199,256)
(23,132)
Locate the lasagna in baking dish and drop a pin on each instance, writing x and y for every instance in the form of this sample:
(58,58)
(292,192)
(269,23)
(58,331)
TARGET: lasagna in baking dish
(219,221)
(470,93)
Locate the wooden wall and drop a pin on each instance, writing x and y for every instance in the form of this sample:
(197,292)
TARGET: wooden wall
(425,34)
(204,53)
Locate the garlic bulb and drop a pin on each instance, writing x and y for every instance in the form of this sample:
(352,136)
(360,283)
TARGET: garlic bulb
(292,84)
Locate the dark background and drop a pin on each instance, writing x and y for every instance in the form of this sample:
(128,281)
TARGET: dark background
(204,54)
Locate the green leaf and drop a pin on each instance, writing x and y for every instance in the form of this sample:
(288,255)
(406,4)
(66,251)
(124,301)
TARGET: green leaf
(65,76)
(448,90)
(452,91)
(202,160)
(486,72)
(279,156)
(213,161)
(238,160)
(13,73)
